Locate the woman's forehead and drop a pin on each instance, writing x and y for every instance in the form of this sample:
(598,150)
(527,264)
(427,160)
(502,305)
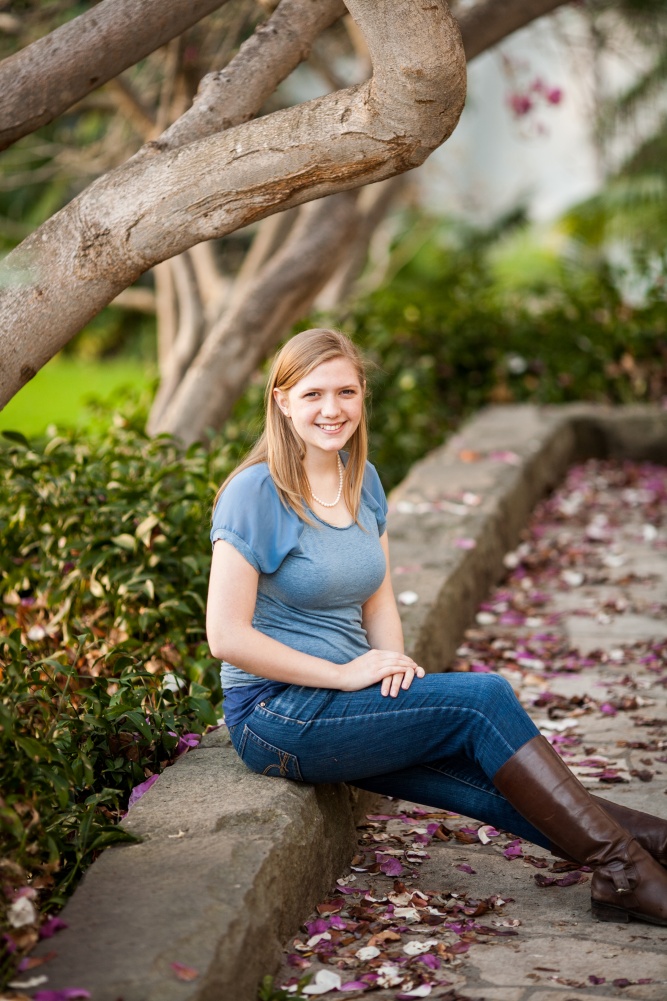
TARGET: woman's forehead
(335,372)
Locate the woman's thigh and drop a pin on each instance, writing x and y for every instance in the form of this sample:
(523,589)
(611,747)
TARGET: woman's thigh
(321,735)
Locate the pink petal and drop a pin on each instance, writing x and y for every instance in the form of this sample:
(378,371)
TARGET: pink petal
(183,972)
(141,790)
(51,926)
(66,994)
(464,543)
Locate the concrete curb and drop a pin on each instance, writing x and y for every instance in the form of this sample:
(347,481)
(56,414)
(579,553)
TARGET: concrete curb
(231,862)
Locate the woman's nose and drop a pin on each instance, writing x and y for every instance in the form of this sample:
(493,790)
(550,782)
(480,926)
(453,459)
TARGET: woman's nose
(330,406)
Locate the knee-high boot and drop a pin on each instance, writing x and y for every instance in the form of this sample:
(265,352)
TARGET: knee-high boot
(649,831)
(627,882)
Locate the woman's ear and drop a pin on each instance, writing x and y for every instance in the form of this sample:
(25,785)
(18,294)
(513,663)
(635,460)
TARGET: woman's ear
(281,399)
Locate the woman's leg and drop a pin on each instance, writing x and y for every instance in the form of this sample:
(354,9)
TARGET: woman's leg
(457,786)
(322,735)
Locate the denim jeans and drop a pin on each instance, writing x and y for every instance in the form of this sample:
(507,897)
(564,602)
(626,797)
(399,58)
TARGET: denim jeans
(439,743)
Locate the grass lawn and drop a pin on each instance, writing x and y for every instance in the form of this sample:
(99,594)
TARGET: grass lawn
(59,392)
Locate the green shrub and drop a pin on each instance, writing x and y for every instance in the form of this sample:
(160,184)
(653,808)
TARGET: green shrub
(446,338)
(104,661)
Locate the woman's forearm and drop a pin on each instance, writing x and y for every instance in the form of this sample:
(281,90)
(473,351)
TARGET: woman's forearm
(256,653)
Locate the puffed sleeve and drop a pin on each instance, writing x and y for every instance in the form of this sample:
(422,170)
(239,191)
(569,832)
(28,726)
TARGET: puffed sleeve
(375,496)
(252,518)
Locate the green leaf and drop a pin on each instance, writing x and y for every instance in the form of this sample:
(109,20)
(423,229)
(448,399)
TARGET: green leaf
(17,437)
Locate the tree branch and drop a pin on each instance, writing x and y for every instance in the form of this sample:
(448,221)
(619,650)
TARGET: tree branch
(235,94)
(45,78)
(149,209)
(281,291)
(489,21)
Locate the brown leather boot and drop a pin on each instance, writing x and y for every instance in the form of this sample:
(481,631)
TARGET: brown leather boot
(649,831)
(627,882)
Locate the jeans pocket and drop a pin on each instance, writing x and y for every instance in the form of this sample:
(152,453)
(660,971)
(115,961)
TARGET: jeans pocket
(264,758)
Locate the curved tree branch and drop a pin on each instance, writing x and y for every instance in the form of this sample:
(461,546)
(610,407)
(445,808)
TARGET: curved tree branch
(47,77)
(280,292)
(149,209)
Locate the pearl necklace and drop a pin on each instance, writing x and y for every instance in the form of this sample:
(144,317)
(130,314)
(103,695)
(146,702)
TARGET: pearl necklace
(340,486)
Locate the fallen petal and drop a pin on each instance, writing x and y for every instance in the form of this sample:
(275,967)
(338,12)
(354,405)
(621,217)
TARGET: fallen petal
(66,994)
(183,972)
(325,981)
(408,597)
(141,790)
(422,991)
(367,952)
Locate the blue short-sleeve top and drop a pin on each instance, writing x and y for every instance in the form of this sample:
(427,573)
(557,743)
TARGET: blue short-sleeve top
(313,578)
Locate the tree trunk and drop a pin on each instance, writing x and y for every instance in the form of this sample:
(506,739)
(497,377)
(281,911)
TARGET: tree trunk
(280,292)
(150,209)
(482,26)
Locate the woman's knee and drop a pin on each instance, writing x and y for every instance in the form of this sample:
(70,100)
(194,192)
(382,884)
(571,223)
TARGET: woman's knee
(493,692)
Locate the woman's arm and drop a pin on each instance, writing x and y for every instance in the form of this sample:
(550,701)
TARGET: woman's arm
(232,596)
(383,627)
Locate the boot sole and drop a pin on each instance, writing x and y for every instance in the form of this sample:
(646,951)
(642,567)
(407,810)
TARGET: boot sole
(607,912)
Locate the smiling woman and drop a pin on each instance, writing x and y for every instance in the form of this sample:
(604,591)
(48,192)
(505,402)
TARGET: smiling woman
(301,611)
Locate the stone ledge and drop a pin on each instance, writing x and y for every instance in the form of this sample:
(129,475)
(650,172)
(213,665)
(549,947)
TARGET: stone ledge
(230,861)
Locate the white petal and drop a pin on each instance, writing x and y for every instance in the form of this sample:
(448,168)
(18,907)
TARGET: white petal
(422,991)
(318,938)
(368,952)
(22,912)
(325,981)
(408,597)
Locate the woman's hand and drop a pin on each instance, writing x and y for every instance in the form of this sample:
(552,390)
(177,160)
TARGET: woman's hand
(394,670)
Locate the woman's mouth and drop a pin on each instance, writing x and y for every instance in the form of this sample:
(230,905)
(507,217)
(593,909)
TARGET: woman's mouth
(331,428)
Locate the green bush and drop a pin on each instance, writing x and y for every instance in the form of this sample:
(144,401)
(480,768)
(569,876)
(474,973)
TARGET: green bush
(104,661)
(446,337)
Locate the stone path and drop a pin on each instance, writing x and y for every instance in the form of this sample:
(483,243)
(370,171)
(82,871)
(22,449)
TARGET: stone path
(579,627)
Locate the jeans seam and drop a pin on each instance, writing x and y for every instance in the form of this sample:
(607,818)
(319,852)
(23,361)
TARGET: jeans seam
(393,712)
(473,785)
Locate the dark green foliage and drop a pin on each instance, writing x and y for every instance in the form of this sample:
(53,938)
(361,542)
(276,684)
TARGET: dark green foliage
(447,338)
(104,571)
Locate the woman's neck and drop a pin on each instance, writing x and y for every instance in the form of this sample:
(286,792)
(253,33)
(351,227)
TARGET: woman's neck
(320,464)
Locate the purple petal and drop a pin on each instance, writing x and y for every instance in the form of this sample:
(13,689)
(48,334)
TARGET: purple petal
(141,790)
(392,867)
(66,994)
(186,741)
(432,962)
(318,926)
(51,926)
(466,868)
(354,985)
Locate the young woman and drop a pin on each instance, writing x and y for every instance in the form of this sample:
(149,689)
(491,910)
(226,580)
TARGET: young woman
(317,685)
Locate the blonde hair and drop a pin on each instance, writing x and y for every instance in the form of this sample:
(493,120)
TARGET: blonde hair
(281,447)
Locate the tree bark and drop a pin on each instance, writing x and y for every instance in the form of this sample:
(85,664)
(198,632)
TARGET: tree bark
(281,291)
(47,77)
(149,209)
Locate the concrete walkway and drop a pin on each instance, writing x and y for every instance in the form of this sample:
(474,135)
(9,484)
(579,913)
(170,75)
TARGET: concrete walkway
(579,627)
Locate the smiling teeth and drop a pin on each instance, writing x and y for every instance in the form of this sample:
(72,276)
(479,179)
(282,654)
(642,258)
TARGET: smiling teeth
(329,427)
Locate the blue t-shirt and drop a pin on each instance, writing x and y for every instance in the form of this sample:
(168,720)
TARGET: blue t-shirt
(313,579)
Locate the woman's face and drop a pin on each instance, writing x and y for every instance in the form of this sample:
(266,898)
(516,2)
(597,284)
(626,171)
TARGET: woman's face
(325,406)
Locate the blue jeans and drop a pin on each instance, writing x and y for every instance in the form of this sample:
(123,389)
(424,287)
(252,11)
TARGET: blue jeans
(439,743)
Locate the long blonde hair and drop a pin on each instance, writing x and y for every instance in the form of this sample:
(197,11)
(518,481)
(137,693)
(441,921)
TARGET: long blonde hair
(281,447)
